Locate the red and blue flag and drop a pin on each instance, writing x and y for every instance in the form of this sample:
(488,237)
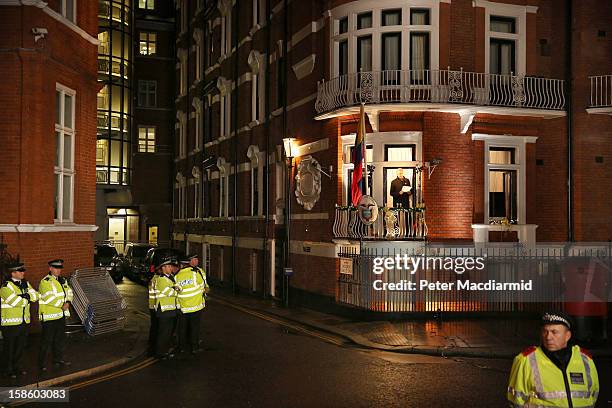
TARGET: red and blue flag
(359,152)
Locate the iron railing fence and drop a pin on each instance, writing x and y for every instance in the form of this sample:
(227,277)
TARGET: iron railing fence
(504,262)
(601,91)
(393,223)
(440,86)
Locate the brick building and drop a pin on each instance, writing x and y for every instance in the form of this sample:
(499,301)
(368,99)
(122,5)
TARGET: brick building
(488,106)
(135,120)
(47,131)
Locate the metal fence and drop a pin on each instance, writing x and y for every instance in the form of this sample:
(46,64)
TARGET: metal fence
(504,262)
(395,223)
(440,86)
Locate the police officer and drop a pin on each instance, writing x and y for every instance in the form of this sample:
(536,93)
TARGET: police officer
(554,374)
(54,304)
(190,285)
(165,306)
(153,293)
(16,294)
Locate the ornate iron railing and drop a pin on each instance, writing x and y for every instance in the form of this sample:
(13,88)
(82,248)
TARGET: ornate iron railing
(391,223)
(440,86)
(601,91)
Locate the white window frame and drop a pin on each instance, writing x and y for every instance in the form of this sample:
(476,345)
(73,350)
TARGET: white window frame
(225,107)
(256,61)
(519,144)
(353,9)
(519,13)
(199,132)
(379,141)
(181,186)
(183,5)
(64,11)
(182,134)
(257,159)
(199,60)
(224,173)
(148,42)
(182,55)
(259,13)
(197,187)
(62,171)
(225,9)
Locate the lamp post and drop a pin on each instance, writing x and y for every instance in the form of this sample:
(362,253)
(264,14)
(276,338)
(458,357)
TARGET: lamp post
(289,147)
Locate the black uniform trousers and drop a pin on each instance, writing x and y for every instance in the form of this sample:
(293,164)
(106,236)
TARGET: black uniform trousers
(189,330)
(165,325)
(153,329)
(14,342)
(53,339)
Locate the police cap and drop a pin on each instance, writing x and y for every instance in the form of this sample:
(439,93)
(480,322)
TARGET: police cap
(169,260)
(557,318)
(56,263)
(16,267)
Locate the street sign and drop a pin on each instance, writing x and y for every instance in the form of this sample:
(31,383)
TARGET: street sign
(346,266)
(288,271)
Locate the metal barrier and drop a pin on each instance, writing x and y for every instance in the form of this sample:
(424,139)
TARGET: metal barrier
(97,301)
(601,91)
(504,262)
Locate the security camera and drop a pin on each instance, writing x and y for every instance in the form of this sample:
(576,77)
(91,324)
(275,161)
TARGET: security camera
(39,32)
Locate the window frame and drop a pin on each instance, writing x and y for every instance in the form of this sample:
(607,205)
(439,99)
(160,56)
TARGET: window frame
(147,4)
(64,12)
(59,169)
(144,86)
(147,139)
(148,43)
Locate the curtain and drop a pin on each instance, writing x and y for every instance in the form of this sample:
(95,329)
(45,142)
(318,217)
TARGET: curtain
(391,51)
(364,54)
(419,58)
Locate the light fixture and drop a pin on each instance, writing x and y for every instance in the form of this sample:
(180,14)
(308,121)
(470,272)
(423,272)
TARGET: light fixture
(290,147)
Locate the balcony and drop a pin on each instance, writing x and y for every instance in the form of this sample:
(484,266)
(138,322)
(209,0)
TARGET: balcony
(441,90)
(601,94)
(397,224)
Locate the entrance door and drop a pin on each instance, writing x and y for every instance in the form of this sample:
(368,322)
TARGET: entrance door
(116,232)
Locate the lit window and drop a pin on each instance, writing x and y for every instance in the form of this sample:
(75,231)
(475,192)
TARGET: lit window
(146,139)
(148,43)
(146,4)
(68,9)
(147,94)
(64,154)
(503,175)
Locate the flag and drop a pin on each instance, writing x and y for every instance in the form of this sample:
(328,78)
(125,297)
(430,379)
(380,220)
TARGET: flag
(358,158)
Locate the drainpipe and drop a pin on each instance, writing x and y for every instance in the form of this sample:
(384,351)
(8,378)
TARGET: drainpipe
(234,105)
(267,173)
(570,122)
(285,134)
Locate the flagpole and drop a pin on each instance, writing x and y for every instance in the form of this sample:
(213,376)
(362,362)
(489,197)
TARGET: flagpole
(365,147)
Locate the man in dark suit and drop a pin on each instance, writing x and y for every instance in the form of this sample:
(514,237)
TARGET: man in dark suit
(400,190)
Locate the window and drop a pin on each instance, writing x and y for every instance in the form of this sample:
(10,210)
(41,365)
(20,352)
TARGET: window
(184,9)
(146,4)
(208,118)
(197,192)
(225,115)
(147,94)
(180,203)
(256,61)
(148,43)
(208,47)
(197,35)
(226,34)
(64,153)
(182,134)
(501,56)
(183,71)
(503,24)
(68,9)
(257,175)
(258,12)
(385,41)
(197,106)
(146,139)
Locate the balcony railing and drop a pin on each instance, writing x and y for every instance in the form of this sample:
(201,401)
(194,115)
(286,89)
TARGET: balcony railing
(392,224)
(440,86)
(601,91)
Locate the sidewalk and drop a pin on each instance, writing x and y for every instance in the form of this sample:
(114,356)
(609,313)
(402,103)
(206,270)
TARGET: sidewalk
(487,338)
(90,355)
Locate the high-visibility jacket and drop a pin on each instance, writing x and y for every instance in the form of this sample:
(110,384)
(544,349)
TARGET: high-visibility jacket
(53,295)
(165,293)
(535,381)
(153,292)
(205,286)
(191,284)
(15,309)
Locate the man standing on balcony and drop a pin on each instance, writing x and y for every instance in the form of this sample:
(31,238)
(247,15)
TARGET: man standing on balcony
(553,374)
(400,190)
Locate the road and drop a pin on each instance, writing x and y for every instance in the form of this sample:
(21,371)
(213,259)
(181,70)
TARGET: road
(251,362)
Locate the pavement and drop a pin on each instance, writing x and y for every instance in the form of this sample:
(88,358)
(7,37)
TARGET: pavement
(476,337)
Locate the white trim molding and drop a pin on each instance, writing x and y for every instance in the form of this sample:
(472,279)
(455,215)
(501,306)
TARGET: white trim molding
(526,232)
(48,228)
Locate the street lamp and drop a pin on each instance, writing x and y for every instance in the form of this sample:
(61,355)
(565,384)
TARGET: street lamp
(290,150)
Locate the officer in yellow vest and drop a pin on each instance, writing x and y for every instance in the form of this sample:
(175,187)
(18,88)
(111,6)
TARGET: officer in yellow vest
(16,294)
(190,287)
(153,314)
(554,374)
(54,304)
(165,306)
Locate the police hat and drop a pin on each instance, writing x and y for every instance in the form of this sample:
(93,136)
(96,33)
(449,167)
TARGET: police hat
(170,260)
(16,267)
(192,256)
(56,263)
(557,318)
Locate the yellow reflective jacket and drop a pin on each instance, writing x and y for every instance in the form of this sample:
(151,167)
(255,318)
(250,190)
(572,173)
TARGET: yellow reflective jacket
(153,293)
(535,381)
(165,294)
(53,295)
(190,284)
(15,309)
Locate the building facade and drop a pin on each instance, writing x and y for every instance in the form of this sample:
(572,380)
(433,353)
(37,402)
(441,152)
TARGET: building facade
(495,110)
(135,111)
(47,131)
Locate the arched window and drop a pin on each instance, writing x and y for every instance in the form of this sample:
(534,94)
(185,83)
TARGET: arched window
(197,107)
(257,63)
(257,159)
(225,106)
(197,192)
